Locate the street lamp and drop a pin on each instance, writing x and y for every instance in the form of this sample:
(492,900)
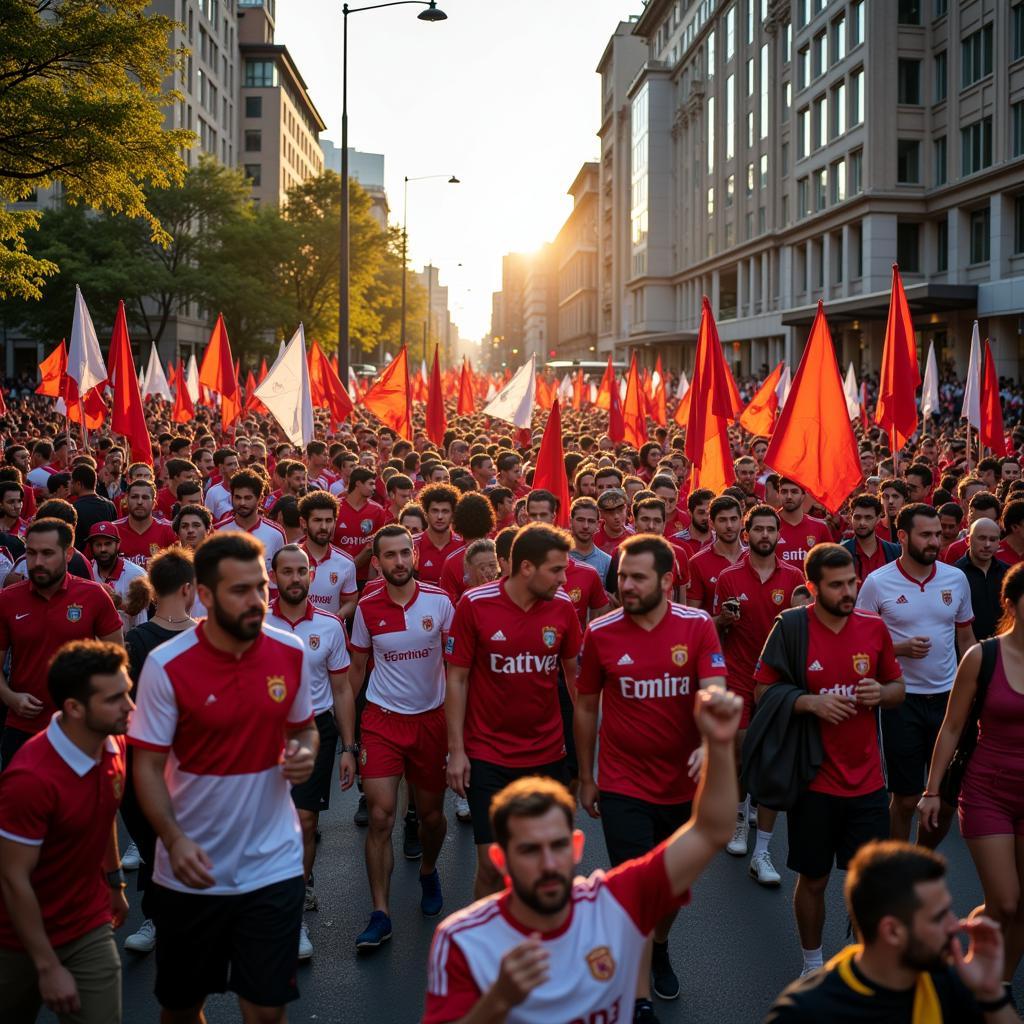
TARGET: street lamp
(432,13)
(405,219)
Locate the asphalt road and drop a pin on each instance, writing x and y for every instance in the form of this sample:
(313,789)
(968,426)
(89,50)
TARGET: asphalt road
(734,947)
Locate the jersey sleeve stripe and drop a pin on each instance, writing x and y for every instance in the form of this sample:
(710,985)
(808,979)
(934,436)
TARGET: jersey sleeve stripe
(23,840)
(457,923)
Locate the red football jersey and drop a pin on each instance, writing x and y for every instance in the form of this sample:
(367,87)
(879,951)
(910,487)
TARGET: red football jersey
(609,544)
(585,588)
(356,528)
(796,541)
(140,547)
(431,557)
(705,568)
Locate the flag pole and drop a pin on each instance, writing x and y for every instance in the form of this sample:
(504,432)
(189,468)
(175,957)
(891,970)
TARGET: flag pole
(895,454)
(968,447)
(85,431)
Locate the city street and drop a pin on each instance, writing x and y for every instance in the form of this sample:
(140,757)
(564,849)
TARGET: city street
(734,948)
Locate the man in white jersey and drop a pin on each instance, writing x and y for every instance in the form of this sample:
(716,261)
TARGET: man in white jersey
(218,497)
(926,606)
(246,489)
(404,623)
(333,706)
(585,937)
(332,573)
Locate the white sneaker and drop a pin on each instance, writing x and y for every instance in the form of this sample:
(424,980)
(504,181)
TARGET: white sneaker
(752,814)
(809,969)
(130,859)
(305,946)
(762,870)
(462,809)
(144,940)
(737,846)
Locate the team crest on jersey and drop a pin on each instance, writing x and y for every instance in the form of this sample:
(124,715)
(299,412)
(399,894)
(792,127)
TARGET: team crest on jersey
(777,596)
(549,635)
(314,641)
(365,525)
(74,613)
(334,579)
(601,963)
(861,664)
(575,594)
(947,597)
(154,548)
(811,540)
(427,622)
(680,655)
(117,782)
(276,688)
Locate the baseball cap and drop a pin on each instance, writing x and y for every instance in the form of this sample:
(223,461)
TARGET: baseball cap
(611,498)
(103,530)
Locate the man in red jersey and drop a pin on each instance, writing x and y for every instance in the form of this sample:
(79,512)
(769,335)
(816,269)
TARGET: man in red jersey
(698,534)
(438,541)
(1011,548)
(178,471)
(507,642)
(332,573)
(649,517)
(676,519)
(37,616)
(642,665)
(359,518)
(62,884)
(510,474)
(707,565)
(246,488)
(473,520)
(613,508)
(399,489)
(748,597)
(798,532)
(850,671)
(142,536)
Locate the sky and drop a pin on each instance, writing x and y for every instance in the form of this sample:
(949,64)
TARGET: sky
(503,95)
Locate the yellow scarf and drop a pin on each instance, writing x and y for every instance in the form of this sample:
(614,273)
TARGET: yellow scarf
(926,1001)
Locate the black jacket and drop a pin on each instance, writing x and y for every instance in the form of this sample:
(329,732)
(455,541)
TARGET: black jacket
(890,550)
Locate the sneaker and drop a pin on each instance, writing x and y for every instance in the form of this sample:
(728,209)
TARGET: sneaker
(737,846)
(431,901)
(752,814)
(376,933)
(130,859)
(144,940)
(643,1012)
(362,815)
(311,900)
(809,969)
(762,870)
(412,848)
(462,809)
(663,979)
(305,946)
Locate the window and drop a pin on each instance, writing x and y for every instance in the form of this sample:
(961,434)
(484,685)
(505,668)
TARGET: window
(260,73)
(857,97)
(730,189)
(253,141)
(1017,129)
(253,106)
(908,81)
(803,67)
(838,178)
(941,7)
(820,189)
(941,77)
(803,12)
(856,172)
(821,121)
(839,109)
(1017,31)
(750,21)
(976,56)
(750,179)
(730,33)
(837,258)
(1018,224)
(711,54)
(784,157)
(787,98)
(820,49)
(787,43)
(764,91)
(908,247)
(941,174)
(711,135)
(980,236)
(976,146)
(711,201)
(908,161)
(909,12)
(856,23)
(838,39)
(730,116)
(802,196)
(803,134)
(751,77)
(750,129)
(764,171)
(942,246)
(252,172)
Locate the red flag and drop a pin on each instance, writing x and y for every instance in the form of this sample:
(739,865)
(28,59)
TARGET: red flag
(549,473)
(316,363)
(218,371)
(682,414)
(633,418)
(542,396)
(231,403)
(993,435)
(896,412)
(616,423)
(93,404)
(53,370)
(578,385)
(184,411)
(467,403)
(127,414)
(759,415)
(437,421)
(389,399)
(263,369)
(607,386)
(659,412)
(814,442)
(330,391)
(735,402)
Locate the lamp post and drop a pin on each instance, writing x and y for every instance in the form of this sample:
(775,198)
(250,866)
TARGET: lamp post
(432,13)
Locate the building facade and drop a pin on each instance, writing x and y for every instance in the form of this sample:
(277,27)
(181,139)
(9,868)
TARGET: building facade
(575,258)
(368,170)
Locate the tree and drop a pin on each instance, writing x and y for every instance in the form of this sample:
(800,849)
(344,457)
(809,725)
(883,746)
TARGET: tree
(82,92)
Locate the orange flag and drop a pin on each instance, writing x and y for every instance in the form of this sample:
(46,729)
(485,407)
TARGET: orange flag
(389,398)
(330,392)
(735,402)
(437,420)
(682,414)
(759,415)
(263,369)
(633,419)
(53,369)
(184,411)
(549,473)
(896,412)
(467,403)
(578,385)
(616,423)
(814,443)
(317,364)
(604,392)
(231,404)
(992,433)
(659,411)
(218,371)
(707,438)
(542,396)
(127,414)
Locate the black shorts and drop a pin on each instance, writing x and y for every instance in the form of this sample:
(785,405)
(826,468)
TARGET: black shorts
(486,780)
(633,827)
(247,943)
(908,737)
(565,705)
(315,793)
(824,829)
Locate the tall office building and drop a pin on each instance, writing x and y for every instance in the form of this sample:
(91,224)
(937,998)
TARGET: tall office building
(575,259)
(368,170)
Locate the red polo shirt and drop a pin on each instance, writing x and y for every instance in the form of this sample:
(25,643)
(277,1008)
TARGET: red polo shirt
(140,547)
(356,528)
(705,568)
(609,544)
(431,557)
(1006,554)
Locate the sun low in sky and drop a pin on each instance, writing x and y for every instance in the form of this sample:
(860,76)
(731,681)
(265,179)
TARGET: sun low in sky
(503,95)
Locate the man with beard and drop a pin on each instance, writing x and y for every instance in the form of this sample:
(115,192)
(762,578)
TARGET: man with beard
(38,616)
(849,671)
(116,573)
(798,532)
(332,573)
(710,562)
(142,536)
(327,661)
(506,644)
(647,727)
(698,534)
(437,541)
(748,597)
(551,948)
(869,550)
(404,625)
(246,489)
(231,698)
(926,606)
(908,964)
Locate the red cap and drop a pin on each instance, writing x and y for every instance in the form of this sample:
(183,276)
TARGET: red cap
(103,530)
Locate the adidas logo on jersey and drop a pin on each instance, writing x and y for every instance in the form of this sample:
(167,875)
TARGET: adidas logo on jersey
(902,599)
(815,666)
(383,622)
(212,699)
(625,660)
(498,636)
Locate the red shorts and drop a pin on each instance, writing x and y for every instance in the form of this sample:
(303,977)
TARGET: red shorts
(415,746)
(747,696)
(991,801)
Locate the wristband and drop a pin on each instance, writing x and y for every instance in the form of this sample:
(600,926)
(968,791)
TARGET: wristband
(990,1006)
(347,748)
(926,793)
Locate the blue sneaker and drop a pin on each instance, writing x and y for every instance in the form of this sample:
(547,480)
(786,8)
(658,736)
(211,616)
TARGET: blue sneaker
(376,933)
(431,901)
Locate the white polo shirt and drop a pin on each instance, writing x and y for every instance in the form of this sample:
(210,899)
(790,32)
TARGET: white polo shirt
(332,580)
(933,609)
(218,501)
(265,530)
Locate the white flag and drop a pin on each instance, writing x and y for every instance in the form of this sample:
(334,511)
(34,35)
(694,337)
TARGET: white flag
(491,391)
(930,387)
(514,402)
(565,390)
(156,380)
(684,385)
(852,393)
(85,361)
(972,389)
(285,391)
(782,389)
(192,378)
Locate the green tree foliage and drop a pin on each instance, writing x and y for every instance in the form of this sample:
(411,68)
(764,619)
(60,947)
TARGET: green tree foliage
(83,84)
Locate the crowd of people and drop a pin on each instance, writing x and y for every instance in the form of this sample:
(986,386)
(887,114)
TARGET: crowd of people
(204,642)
